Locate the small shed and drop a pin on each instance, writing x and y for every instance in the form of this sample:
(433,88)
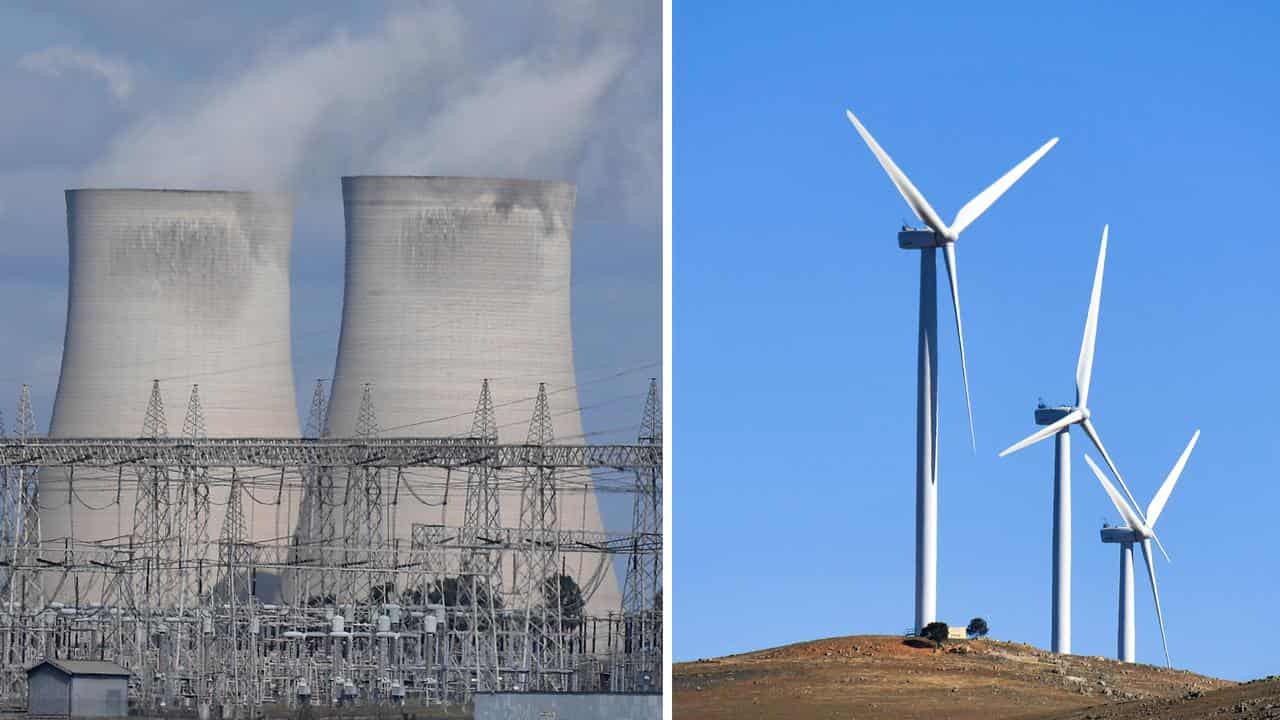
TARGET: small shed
(78,688)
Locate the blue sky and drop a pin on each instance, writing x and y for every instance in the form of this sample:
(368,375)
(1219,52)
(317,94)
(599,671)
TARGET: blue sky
(795,315)
(291,96)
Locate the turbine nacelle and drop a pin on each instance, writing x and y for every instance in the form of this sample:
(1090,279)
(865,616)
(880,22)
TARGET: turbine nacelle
(1120,535)
(921,239)
(1051,415)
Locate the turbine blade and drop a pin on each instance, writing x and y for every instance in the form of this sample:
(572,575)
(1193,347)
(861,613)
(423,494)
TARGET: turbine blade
(1097,442)
(949,254)
(1162,495)
(1155,593)
(1160,545)
(983,200)
(1084,367)
(1044,432)
(914,198)
(1126,512)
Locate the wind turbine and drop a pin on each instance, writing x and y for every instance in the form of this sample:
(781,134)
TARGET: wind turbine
(1058,421)
(1142,532)
(927,240)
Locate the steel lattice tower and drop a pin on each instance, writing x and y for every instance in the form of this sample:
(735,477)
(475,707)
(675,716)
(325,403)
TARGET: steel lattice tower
(236,560)
(195,504)
(152,518)
(316,509)
(644,573)
(326,512)
(26,488)
(539,583)
(236,553)
(482,509)
(25,427)
(481,569)
(8,503)
(364,512)
(319,407)
(641,600)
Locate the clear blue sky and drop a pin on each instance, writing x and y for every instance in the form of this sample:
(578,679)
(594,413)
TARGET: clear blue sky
(795,315)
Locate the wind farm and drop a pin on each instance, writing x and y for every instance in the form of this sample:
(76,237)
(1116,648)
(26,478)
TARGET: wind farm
(879,667)
(866,493)
(1056,422)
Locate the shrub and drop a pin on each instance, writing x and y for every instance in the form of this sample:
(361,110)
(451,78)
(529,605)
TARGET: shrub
(565,589)
(935,631)
(977,628)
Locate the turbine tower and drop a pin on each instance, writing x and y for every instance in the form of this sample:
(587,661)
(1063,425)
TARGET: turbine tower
(1142,533)
(1058,422)
(927,240)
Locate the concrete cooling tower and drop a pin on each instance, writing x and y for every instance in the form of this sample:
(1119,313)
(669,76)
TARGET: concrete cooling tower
(188,287)
(449,281)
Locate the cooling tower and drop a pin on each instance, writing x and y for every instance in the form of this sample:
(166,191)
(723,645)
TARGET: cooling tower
(449,281)
(188,287)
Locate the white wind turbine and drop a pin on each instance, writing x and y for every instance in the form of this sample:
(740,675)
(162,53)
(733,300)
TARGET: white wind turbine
(1142,532)
(927,240)
(1058,421)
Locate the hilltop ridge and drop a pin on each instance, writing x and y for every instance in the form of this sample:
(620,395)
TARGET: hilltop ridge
(884,676)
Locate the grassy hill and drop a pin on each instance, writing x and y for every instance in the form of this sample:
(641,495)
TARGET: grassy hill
(878,676)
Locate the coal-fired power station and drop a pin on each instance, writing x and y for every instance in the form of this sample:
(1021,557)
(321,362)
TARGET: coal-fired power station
(433,534)
(184,287)
(448,281)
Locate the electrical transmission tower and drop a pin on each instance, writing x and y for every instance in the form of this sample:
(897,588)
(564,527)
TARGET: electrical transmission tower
(9,504)
(236,552)
(237,572)
(364,522)
(544,656)
(317,419)
(642,590)
(481,579)
(194,501)
(152,518)
(316,519)
(24,586)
